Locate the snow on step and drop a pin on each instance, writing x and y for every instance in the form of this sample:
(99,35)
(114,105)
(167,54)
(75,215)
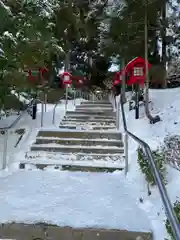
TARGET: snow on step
(77,133)
(75,114)
(96,102)
(90,117)
(95,200)
(89,120)
(97,109)
(95,113)
(80,146)
(88,126)
(79,122)
(114,157)
(85,163)
(79,141)
(100,124)
(75,148)
(42,159)
(95,106)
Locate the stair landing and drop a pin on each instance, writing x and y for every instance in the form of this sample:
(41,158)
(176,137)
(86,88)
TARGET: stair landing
(70,206)
(43,231)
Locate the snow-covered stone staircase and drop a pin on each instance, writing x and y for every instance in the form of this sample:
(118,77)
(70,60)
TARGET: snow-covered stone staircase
(87,140)
(88,115)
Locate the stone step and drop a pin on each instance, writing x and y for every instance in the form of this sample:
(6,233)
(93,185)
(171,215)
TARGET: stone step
(91,121)
(22,231)
(91,113)
(94,105)
(85,109)
(74,165)
(100,156)
(92,110)
(93,127)
(90,134)
(79,141)
(75,148)
(96,102)
(94,117)
(84,123)
(71,168)
(113,158)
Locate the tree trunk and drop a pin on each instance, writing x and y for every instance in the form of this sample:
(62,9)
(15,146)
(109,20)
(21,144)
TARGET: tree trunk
(67,61)
(146,94)
(90,63)
(163,35)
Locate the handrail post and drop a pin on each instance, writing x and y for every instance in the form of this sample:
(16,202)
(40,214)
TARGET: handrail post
(113,103)
(42,113)
(93,97)
(54,111)
(117,114)
(53,121)
(66,101)
(126,153)
(5,149)
(74,95)
(45,102)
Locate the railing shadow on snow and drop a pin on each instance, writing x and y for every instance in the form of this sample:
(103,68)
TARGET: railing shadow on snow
(161,187)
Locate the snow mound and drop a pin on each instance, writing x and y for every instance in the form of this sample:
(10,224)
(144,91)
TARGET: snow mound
(166,104)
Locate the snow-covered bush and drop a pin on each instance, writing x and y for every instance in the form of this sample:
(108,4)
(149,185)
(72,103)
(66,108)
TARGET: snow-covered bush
(168,225)
(174,67)
(146,169)
(172,150)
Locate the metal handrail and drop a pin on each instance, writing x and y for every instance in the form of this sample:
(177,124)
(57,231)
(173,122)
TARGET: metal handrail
(18,118)
(6,128)
(163,193)
(54,111)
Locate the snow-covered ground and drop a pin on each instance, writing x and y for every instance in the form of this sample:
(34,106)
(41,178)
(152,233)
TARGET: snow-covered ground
(70,199)
(166,104)
(93,199)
